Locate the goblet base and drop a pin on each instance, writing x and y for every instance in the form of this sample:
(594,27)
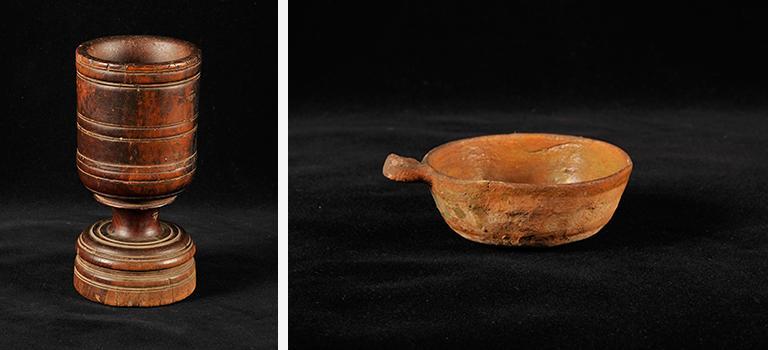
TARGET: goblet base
(143,273)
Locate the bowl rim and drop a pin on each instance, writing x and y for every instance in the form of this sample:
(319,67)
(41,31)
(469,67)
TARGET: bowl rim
(624,171)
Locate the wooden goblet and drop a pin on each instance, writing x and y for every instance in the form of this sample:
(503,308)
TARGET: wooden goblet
(136,129)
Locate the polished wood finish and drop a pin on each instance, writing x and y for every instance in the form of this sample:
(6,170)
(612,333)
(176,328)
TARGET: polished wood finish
(136,150)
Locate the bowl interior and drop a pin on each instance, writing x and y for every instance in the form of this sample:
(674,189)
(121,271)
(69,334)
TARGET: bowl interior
(528,158)
(139,49)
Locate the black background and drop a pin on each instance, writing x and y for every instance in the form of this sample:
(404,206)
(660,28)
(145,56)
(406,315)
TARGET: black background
(587,51)
(681,87)
(229,209)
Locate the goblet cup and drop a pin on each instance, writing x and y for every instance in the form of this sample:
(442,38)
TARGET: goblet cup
(136,150)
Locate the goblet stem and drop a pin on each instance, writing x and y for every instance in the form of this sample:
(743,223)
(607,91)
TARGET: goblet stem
(134,225)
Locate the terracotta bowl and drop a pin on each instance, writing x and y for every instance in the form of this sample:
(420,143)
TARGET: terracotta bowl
(521,189)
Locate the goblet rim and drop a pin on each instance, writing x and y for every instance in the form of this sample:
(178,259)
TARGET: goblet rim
(86,55)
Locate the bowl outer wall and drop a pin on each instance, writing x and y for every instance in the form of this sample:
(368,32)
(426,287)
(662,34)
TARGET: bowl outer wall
(519,214)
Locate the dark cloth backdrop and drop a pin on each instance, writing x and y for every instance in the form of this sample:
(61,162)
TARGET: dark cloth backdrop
(680,88)
(229,209)
(681,263)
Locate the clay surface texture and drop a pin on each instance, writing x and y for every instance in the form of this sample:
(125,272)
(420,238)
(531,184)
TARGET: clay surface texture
(521,189)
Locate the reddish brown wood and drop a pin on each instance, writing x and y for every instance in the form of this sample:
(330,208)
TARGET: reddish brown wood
(135,225)
(136,132)
(521,189)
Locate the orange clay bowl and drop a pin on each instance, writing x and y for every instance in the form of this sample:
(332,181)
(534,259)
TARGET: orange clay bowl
(521,189)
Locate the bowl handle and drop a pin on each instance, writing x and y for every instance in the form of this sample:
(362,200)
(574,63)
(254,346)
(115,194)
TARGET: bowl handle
(405,169)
